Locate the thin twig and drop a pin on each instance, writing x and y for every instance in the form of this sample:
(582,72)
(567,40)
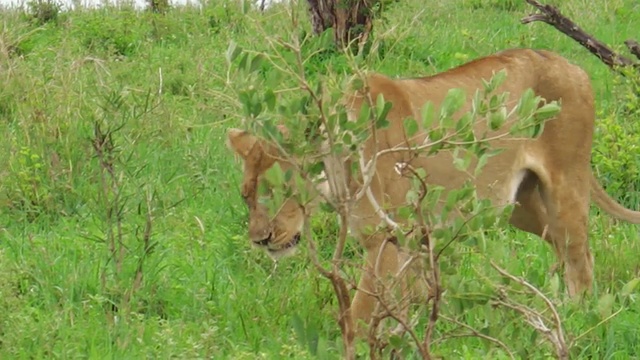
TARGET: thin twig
(533,289)
(476,333)
(556,337)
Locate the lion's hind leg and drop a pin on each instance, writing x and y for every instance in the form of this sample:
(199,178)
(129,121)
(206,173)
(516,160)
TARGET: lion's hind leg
(567,207)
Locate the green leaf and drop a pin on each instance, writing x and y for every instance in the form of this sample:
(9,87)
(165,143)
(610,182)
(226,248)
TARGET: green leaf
(452,102)
(494,102)
(537,130)
(482,108)
(410,126)
(464,123)
(382,110)
(380,103)
(629,287)
(436,134)
(270,99)
(287,175)
(605,305)
(396,341)
(547,111)
(382,123)
(316,168)
(461,162)
(232,51)
(527,104)
(497,118)
(304,195)
(256,62)
(365,112)
(496,80)
(357,84)
(242,65)
(428,115)
(482,161)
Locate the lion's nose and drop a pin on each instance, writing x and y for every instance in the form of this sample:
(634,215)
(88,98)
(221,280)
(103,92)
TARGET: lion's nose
(264,242)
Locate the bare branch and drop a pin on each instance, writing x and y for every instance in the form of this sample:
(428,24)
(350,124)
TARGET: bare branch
(552,16)
(474,333)
(535,319)
(391,312)
(383,215)
(345,319)
(634,47)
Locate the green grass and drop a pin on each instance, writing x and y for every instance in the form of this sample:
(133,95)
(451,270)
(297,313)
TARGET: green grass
(156,81)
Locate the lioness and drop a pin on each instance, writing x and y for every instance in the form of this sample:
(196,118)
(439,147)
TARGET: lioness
(548,178)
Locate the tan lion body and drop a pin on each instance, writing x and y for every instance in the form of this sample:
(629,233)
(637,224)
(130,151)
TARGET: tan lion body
(549,178)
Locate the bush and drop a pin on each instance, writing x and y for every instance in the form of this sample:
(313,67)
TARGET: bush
(119,36)
(617,144)
(43,11)
(504,5)
(158,6)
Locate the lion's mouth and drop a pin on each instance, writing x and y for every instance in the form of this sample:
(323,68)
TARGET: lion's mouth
(291,244)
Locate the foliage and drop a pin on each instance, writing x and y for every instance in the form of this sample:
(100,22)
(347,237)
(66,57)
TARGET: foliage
(112,35)
(43,11)
(318,129)
(158,6)
(618,161)
(504,5)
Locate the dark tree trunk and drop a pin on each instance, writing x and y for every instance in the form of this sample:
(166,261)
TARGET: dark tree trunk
(351,20)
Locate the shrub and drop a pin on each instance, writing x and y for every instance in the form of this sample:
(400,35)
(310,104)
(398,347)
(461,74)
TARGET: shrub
(43,11)
(617,144)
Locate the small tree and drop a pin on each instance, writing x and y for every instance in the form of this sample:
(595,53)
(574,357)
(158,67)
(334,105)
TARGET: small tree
(272,90)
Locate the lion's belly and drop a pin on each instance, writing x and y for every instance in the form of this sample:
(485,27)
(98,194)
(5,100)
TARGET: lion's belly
(498,180)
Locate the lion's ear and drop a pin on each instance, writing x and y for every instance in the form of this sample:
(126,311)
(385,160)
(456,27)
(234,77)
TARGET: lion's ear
(241,141)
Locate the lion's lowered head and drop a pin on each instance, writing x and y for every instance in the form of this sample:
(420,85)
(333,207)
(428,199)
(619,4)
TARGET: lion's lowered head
(279,233)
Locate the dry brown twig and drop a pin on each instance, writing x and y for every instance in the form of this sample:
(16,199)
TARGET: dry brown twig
(474,333)
(555,333)
(551,15)
(383,310)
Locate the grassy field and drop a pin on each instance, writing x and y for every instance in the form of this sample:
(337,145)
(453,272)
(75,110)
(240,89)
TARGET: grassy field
(122,230)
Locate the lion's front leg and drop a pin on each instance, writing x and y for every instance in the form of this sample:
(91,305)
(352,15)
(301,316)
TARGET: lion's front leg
(377,282)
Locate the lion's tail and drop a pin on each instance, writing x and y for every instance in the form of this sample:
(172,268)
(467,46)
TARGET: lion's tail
(609,205)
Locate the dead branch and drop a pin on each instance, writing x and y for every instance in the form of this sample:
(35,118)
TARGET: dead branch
(474,333)
(551,15)
(388,311)
(634,47)
(340,288)
(555,335)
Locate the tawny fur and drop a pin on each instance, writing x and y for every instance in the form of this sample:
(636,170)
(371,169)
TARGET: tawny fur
(549,178)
